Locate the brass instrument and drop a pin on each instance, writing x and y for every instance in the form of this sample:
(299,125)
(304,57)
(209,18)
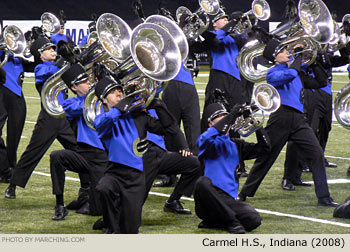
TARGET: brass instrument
(314,27)
(153,54)
(13,41)
(260,9)
(197,22)
(266,99)
(49,24)
(339,39)
(342,108)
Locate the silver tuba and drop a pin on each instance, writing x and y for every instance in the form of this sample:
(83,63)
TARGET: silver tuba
(153,55)
(94,53)
(314,27)
(49,24)
(342,106)
(197,22)
(339,39)
(13,41)
(260,9)
(267,100)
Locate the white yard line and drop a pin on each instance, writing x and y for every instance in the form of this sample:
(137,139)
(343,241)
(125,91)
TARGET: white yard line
(335,223)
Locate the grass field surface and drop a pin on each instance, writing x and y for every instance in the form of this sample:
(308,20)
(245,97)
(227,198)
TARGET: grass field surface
(282,211)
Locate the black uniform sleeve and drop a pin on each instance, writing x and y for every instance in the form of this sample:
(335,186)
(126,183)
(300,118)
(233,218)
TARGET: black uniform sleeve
(342,60)
(2,76)
(253,150)
(210,42)
(320,79)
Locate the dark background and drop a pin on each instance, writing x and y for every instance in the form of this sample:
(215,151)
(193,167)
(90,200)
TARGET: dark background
(82,9)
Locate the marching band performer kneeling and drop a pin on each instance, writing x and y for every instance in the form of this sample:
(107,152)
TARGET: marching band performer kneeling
(89,158)
(216,192)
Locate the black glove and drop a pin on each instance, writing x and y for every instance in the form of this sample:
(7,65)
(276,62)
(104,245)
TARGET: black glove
(297,60)
(261,34)
(236,15)
(228,28)
(164,115)
(65,51)
(125,103)
(324,60)
(224,124)
(28,35)
(346,28)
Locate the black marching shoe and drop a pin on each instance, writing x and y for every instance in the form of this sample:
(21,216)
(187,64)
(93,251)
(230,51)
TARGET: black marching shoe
(10,193)
(348,172)
(167,181)
(327,201)
(236,229)
(85,209)
(176,207)
(300,182)
(60,213)
(99,224)
(329,164)
(287,185)
(83,197)
(204,224)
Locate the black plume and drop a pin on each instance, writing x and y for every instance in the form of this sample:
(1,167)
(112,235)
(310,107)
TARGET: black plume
(219,96)
(137,7)
(291,10)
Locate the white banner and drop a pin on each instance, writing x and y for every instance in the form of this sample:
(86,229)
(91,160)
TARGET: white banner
(74,29)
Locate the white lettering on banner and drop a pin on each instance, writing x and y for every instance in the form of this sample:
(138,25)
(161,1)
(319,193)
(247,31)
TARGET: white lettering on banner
(74,29)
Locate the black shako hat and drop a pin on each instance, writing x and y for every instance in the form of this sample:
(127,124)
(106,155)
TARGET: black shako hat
(105,85)
(212,111)
(272,48)
(221,14)
(40,45)
(73,75)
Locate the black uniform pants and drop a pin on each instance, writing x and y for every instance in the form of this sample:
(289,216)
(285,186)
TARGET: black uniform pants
(86,160)
(122,191)
(13,109)
(158,161)
(182,101)
(218,208)
(233,88)
(287,124)
(319,115)
(46,130)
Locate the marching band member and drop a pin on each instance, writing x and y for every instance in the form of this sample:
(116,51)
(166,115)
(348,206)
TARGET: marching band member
(55,38)
(13,110)
(216,192)
(288,123)
(47,128)
(122,196)
(90,156)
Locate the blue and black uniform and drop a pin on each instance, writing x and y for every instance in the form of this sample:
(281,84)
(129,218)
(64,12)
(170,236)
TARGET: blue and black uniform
(288,123)
(46,130)
(122,188)
(12,110)
(181,99)
(215,193)
(89,158)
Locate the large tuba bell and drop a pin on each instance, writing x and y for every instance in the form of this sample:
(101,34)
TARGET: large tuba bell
(196,23)
(314,27)
(266,99)
(12,41)
(155,56)
(260,9)
(342,106)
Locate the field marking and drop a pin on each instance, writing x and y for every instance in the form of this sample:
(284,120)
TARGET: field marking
(32,97)
(259,210)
